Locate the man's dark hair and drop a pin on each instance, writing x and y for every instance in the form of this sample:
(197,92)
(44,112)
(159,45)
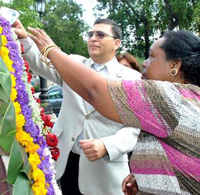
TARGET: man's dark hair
(116,30)
(184,46)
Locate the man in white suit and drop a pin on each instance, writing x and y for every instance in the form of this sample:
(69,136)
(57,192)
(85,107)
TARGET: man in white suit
(93,149)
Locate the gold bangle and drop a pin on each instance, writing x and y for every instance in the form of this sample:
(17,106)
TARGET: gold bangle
(46,47)
(44,53)
(43,49)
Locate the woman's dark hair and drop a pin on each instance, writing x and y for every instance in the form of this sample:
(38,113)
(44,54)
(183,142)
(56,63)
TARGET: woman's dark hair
(116,30)
(184,46)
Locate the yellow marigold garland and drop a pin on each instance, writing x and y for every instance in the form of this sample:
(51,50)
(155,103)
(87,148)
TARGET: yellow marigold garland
(39,186)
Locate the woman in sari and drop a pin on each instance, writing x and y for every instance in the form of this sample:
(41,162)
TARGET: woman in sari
(165,105)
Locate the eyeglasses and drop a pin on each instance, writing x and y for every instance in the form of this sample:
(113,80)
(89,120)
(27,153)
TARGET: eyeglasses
(98,34)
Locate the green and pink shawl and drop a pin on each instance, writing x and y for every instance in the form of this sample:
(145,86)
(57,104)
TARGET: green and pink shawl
(166,159)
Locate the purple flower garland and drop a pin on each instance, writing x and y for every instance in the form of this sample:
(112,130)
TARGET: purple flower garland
(23,99)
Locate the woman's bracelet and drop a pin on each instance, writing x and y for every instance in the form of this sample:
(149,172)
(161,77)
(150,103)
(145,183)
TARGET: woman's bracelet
(44,53)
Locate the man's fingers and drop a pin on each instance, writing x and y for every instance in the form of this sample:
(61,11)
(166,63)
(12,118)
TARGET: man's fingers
(91,157)
(21,34)
(88,150)
(18,24)
(85,146)
(85,143)
(90,154)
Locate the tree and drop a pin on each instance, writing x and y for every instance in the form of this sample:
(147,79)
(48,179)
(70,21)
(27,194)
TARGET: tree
(26,8)
(178,14)
(143,21)
(65,26)
(135,19)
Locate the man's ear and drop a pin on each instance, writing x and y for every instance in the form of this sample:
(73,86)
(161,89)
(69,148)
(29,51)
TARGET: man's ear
(117,44)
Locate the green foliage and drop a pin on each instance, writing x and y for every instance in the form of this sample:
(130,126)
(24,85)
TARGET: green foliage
(26,8)
(19,170)
(4,78)
(65,26)
(7,112)
(7,126)
(177,14)
(22,181)
(143,21)
(18,163)
(196,21)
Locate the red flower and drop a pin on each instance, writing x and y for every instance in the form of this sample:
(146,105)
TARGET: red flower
(29,77)
(32,90)
(49,124)
(22,48)
(38,100)
(51,140)
(46,119)
(55,152)
(26,65)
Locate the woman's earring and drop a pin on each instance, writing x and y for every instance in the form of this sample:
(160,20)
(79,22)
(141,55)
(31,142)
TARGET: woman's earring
(173,72)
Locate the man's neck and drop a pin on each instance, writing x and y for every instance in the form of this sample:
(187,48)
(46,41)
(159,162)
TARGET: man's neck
(102,60)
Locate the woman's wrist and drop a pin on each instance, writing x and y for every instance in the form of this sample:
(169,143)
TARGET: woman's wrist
(51,51)
(45,53)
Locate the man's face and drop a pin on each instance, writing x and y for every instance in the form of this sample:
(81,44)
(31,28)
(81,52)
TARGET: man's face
(102,47)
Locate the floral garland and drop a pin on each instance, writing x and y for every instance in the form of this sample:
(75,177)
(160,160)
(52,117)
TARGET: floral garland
(51,139)
(28,122)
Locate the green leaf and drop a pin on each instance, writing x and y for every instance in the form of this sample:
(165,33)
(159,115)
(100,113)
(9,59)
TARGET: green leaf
(16,162)
(6,141)
(3,67)
(5,80)
(26,166)
(22,186)
(7,126)
(3,95)
(3,107)
(8,122)
(16,166)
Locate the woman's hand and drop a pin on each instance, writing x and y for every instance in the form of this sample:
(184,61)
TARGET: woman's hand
(40,38)
(129,185)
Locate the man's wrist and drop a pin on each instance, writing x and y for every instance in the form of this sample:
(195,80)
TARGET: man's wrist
(27,44)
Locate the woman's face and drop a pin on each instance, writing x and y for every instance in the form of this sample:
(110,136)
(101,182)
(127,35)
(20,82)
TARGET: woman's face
(156,67)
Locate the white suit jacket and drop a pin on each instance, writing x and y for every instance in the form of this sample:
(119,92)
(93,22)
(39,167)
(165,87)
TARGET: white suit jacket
(104,176)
